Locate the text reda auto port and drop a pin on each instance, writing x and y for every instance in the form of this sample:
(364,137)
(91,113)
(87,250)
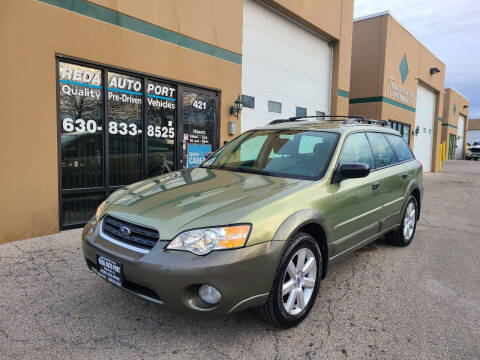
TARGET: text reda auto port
(116,81)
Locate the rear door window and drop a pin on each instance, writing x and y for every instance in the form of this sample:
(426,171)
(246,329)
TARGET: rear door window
(382,152)
(400,147)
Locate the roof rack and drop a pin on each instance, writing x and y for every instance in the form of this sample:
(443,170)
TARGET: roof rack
(360,120)
(330,117)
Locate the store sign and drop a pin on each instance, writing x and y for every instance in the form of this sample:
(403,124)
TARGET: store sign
(400,93)
(197,154)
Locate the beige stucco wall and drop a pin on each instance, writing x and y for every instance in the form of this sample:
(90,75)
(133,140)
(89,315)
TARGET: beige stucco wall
(450,119)
(203,20)
(474,124)
(31,33)
(379,44)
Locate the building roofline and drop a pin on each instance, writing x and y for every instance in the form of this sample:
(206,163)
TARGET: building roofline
(365,17)
(387,12)
(459,93)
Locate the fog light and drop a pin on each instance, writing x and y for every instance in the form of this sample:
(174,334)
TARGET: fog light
(209,294)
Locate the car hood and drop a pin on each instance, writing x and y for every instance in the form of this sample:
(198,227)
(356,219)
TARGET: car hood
(196,197)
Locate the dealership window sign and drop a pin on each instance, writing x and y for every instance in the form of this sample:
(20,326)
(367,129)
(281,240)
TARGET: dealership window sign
(197,154)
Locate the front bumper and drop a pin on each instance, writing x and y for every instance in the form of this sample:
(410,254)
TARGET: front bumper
(244,276)
(473,155)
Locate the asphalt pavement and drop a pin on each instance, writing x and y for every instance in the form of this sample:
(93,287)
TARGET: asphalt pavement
(382,302)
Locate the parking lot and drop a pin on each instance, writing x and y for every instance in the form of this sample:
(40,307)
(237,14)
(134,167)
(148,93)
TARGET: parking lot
(419,302)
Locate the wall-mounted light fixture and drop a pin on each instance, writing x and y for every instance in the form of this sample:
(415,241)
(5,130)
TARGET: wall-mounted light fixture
(236,109)
(465,106)
(434,70)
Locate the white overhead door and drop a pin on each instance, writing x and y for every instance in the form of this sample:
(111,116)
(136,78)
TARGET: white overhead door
(461,126)
(424,120)
(283,64)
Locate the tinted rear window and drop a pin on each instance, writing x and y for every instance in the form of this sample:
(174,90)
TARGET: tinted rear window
(382,152)
(400,147)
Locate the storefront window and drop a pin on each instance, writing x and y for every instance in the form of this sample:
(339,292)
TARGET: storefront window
(124,128)
(138,139)
(81,118)
(402,128)
(161,125)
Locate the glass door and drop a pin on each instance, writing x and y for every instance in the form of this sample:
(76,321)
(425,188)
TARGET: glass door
(452,140)
(199,126)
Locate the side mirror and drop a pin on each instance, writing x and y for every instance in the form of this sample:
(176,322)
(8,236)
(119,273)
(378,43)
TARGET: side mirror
(351,171)
(354,170)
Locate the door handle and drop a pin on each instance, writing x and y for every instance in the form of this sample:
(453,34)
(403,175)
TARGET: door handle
(404,176)
(375,185)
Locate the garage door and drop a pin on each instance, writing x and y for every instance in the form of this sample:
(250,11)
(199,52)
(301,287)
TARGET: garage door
(460,139)
(424,120)
(286,69)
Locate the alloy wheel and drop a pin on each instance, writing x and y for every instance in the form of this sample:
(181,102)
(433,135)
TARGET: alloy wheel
(409,221)
(299,281)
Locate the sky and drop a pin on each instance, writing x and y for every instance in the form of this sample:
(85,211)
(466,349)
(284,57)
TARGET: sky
(450,29)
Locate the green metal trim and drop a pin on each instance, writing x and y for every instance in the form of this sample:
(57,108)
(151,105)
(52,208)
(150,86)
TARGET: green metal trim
(453,126)
(343,93)
(382,99)
(142,27)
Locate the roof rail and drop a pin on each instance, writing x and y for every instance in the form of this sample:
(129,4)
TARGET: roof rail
(330,117)
(359,120)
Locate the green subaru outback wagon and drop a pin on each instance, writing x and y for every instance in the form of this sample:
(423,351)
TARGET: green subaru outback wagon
(258,222)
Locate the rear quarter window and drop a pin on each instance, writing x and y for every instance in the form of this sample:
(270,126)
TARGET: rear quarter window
(400,147)
(382,152)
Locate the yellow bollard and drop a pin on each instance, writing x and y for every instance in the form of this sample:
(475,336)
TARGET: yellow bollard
(444,153)
(440,158)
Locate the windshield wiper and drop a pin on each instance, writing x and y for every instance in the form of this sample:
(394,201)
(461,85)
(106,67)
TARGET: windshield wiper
(249,171)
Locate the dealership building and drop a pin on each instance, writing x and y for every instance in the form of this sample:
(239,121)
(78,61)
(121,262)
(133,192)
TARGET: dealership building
(454,124)
(473,131)
(99,94)
(396,78)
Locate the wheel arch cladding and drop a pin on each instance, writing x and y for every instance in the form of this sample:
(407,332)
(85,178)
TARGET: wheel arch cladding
(318,233)
(311,222)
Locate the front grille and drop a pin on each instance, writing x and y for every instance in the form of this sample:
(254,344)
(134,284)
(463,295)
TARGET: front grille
(139,236)
(475,150)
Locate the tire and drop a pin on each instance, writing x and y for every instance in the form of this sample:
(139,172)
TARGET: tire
(403,236)
(300,246)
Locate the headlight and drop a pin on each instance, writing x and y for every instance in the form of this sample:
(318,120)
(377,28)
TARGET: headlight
(203,241)
(469,152)
(99,212)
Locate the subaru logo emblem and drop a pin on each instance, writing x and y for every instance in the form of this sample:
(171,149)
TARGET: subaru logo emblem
(125,231)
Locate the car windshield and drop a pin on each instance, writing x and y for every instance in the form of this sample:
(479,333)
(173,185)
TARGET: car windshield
(297,154)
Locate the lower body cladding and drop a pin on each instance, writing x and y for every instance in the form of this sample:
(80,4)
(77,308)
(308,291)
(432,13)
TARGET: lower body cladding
(173,278)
